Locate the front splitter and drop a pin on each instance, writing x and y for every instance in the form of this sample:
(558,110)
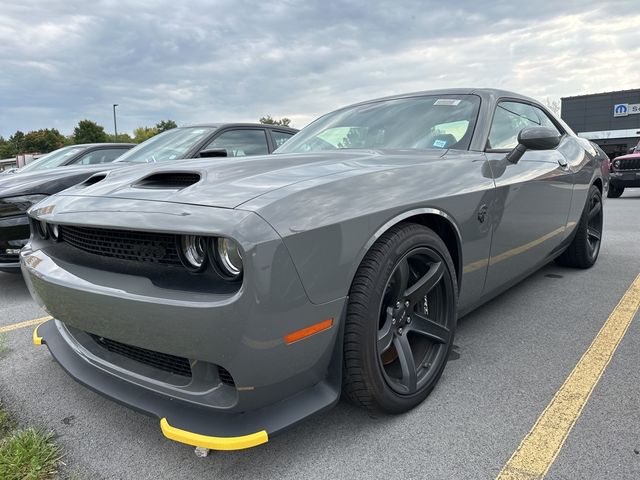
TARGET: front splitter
(186,422)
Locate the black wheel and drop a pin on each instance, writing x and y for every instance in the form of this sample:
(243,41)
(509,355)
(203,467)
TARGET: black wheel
(615,192)
(401,319)
(585,247)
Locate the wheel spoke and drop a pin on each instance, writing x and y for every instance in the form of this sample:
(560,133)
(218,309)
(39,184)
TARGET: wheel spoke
(401,274)
(423,286)
(427,327)
(385,334)
(408,365)
(593,233)
(595,210)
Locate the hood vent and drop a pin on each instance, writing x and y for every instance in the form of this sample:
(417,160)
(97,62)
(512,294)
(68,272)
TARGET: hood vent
(173,180)
(98,177)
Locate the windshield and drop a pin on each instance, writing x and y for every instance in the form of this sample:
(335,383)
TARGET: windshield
(51,160)
(439,121)
(170,145)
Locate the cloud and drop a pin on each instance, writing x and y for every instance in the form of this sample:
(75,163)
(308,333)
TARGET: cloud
(239,60)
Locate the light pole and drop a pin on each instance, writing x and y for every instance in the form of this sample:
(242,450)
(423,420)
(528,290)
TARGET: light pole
(115,125)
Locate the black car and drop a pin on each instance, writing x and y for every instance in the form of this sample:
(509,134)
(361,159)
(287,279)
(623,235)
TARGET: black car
(83,154)
(21,190)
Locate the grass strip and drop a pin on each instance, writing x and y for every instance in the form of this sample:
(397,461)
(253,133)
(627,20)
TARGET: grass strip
(27,454)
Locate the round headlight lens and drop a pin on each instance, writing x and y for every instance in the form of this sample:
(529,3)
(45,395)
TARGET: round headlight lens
(41,228)
(229,257)
(616,164)
(193,250)
(54,232)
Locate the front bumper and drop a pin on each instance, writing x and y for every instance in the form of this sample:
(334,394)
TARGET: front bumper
(622,179)
(183,421)
(275,383)
(14,233)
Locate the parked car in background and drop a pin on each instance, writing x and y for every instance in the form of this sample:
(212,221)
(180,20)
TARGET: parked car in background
(625,173)
(232,300)
(83,154)
(35,182)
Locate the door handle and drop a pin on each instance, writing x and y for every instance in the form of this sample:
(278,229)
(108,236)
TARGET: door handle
(562,162)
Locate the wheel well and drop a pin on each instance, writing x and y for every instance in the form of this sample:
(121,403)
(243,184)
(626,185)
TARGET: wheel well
(598,183)
(446,231)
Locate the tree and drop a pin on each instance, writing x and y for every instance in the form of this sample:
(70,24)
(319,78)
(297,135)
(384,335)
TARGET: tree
(268,120)
(553,105)
(13,145)
(164,125)
(89,132)
(122,137)
(141,134)
(43,141)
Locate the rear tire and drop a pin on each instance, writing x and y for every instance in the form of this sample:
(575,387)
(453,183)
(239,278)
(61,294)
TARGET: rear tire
(585,247)
(615,192)
(400,321)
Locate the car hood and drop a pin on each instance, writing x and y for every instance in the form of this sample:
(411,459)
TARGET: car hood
(46,181)
(230,182)
(628,156)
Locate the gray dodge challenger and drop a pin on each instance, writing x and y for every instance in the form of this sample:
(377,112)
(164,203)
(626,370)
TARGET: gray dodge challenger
(233,299)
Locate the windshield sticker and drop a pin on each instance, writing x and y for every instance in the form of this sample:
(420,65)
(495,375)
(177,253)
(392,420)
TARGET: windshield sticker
(451,102)
(439,143)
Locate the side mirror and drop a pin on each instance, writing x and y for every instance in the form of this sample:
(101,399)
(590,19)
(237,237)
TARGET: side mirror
(213,152)
(534,138)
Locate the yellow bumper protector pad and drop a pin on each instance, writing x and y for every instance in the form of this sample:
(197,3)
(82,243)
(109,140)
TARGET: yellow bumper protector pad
(213,443)
(37,340)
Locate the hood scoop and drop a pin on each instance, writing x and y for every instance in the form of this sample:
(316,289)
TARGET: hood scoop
(169,180)
(92,180)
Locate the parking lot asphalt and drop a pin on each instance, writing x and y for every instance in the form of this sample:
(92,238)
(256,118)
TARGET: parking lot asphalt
(510,357)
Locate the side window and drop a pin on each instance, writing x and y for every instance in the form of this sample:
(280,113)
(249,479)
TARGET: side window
(100,156)
(241,143)
(508,119)
(280,137)
(545,121)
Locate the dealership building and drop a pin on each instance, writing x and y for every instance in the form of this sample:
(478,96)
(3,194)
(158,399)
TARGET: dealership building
(610,119)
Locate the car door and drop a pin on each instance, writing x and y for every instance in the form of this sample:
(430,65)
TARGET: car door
(533,196)
(240,142)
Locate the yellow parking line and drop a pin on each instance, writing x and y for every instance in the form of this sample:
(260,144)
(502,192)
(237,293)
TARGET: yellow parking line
(28,323)
(540,447)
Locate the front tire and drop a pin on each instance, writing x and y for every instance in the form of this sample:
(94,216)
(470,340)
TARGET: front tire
(614,192)
(401,319)
(585,246)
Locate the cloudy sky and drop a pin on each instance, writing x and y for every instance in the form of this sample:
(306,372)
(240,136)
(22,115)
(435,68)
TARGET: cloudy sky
(236,60)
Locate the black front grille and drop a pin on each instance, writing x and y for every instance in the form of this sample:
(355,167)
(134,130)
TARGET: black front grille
(161,361)
(122,244)
(628,164)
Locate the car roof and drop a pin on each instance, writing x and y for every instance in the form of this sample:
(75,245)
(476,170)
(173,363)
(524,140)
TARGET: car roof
(87,145)
(227,125)
(485,93)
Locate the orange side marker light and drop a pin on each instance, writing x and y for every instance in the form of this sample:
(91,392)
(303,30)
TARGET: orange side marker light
(307,332)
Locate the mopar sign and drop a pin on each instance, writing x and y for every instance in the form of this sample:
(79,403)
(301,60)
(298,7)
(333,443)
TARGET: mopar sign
(624,109)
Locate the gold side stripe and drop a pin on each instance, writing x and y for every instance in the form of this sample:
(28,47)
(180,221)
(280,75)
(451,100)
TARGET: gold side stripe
(539,449)
(213,443)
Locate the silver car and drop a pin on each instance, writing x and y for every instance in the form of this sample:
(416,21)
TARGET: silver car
(233,299)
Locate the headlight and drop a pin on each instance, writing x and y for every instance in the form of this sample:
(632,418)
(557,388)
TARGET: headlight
(18,205)
(228,258)
(616,164)
(193,252)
